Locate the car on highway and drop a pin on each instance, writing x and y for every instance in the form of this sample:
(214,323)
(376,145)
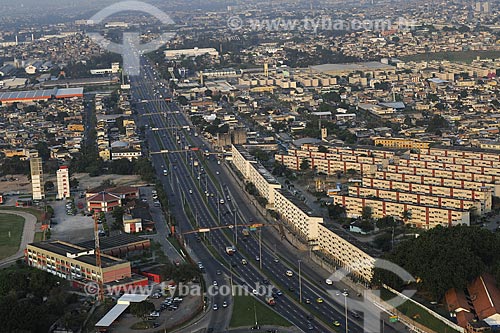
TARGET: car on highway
(257,258)
(215,307)
(319,300)
(190,191)
(215,283)
(221,201)
(308,301)
(289,273)
(224,304)
(329,282)
(336,323)
(244,261)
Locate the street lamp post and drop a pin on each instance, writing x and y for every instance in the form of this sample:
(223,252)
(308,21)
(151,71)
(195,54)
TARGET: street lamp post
(345,311)
(260,248)
(300,282)
(235,228)
(218,208)
(255,313)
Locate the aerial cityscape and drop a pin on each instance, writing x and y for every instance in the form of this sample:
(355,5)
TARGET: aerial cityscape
(260,166)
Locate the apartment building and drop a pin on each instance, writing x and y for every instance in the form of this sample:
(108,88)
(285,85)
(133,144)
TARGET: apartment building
(469,175)
(483,195)
(460,165)
(439,181)
(415,198)
(462,153)
(345,254)
(358,151)
(256,174)
(297,215)
(310,228)
(63,186)
(426,217)
(400,143)
(329,167)
(37,183)
(75,262)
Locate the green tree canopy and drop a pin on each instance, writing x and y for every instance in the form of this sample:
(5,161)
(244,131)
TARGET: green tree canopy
(444,258)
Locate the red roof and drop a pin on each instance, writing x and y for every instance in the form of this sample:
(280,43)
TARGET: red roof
(485,296)
(103,197)
(457,301)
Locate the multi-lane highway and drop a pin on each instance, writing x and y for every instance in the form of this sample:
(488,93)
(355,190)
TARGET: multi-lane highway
(196,186)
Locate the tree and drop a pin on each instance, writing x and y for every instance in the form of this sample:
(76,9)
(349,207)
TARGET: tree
(366,213)
(48,186)
(117,214)
(304,165)
(436,123)
(322,149)
(43,150)
(182,100)
(14,166)
(250,188)
(406,215)
(142,309)
(386,222)
(454,256)
(336,211)
(351,172)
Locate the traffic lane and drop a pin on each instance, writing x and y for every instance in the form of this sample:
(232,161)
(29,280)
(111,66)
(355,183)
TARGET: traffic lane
(217,319)
(254,277)
(308,289)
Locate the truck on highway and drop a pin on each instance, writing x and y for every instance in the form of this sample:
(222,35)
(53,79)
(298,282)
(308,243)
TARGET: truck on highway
(270,300)
(230,250)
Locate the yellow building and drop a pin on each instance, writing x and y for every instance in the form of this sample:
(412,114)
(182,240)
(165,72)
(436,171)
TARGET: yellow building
(75,127)
(422,216)
(401,143)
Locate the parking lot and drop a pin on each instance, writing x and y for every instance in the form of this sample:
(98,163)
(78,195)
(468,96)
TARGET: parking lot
(168,317)
(72,228)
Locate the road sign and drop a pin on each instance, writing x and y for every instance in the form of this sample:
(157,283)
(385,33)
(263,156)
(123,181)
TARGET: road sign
(393,319)
(256,225)
(204,230)
(252,229)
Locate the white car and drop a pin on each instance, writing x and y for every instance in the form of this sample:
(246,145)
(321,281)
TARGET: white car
(215,283)
(329,282)
(221,201)
(190,191)
(289,273)
(215,307)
